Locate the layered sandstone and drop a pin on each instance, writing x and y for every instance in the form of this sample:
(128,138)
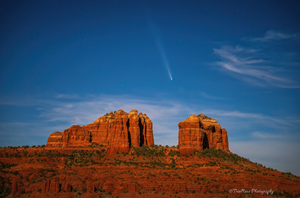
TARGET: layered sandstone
(119,131)
(199,132)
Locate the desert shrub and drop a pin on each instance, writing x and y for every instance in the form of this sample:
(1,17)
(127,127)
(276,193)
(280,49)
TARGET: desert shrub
(54,154)
(220,154)
(155,163)
(25,153)
(15,172)
(4,187)
(211,164)
(172,164)
(16,155)
(174,153)
(284,194)
(6,165)
(100,190)
(95,144)
(83,158)
(151,175)
(149,151)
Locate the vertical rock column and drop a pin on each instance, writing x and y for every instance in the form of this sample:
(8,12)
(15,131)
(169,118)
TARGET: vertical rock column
(225,140)
(191,137)
(134,128)
(118,134)
(149,131)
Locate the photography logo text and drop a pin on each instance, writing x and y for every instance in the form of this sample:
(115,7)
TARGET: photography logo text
(257,191)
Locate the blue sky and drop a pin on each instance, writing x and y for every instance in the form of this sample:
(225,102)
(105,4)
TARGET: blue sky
(65,63)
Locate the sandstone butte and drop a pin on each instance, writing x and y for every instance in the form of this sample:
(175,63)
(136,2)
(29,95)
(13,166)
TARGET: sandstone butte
(118,131)
(199,132)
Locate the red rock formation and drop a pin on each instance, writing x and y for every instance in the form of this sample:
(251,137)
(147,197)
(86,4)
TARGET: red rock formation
(199,132)
(148,140)
(135,128)
(55,139)
(119,131)
(225,140)
(76,136)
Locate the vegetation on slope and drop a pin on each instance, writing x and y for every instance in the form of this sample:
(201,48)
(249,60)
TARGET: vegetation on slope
(145,171)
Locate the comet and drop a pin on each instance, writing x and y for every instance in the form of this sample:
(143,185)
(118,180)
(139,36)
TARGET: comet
(160,47)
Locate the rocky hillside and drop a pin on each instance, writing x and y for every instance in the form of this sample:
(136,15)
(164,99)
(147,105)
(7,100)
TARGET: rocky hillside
(147,171)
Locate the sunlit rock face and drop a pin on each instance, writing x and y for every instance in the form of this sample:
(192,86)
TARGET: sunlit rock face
(198,132)
(119,131)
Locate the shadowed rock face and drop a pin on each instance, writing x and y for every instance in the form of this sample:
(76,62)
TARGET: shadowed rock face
(199,132)
(119,131)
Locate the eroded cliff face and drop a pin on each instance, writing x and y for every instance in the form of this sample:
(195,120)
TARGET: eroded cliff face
(119,131)
(199,132)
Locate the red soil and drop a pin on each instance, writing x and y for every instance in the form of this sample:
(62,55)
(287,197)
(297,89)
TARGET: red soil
(144,172)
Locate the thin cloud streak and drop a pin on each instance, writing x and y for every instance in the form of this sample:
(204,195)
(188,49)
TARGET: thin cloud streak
(273,35)
(205,95)
(67,96)
(263,135)
(253,117)
(241,61)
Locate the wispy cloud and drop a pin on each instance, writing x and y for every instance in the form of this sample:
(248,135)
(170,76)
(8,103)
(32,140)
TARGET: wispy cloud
(88,110)
(273,35)
(67,96)
(205,95)
(264,135)
(254,118)
(251,66)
